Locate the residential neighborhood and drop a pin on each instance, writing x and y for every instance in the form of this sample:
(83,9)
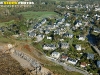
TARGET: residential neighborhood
(70,38)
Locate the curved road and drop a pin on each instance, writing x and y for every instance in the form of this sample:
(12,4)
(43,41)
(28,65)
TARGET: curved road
(67,67)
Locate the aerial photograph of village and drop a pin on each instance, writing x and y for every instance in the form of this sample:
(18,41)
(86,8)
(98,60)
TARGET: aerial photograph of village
(49,37)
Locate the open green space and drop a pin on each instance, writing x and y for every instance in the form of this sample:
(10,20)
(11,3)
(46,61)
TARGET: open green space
(6,23)
(35,15)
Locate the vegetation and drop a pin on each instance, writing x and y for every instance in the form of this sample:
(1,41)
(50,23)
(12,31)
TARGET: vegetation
(37,15)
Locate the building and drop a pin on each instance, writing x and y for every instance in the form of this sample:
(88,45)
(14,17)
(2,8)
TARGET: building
(83,64)
(64,45)
(68,35)
(81,37)
(31,34)
(78,47)
(72,61)
(64,57)
(97,30)
(67,24)
(55,55)
(90,56)
(98,64)
(49,47)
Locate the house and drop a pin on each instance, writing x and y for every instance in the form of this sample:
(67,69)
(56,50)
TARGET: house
(61,21)
(67,24)
(83,64)
(49,47)
(46,31)
(55,55)
(64,45)
(78,24)
(43,21)
(51,27)
(64,57)
(50,38)
(98,63)
(57,32)
(40,37)
(31,34)
(97,9)
(97,30)
(78,47)
(72,61)
(90,56)
(81,37)
(68,35)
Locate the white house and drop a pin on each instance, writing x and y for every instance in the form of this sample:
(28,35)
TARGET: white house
(97,9)
(81,37)
(40,37)
(49,47)
(55,55)
(78,47)
(67,24)
(72,61)
(43,21)
(49,38)
(78,24)
(97,30)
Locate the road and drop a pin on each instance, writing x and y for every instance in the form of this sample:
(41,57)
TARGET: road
(96,49)
(68,67)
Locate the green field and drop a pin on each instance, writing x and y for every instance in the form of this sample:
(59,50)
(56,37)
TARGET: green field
(36,15)
(6,23)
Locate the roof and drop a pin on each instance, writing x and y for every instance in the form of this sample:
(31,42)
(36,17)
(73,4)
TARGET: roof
(90,56)
(64,56)
(32,34)
(98,62)
(73,60)
(78,46)
(64,44)
(56,53)
(50,45)
(83,63)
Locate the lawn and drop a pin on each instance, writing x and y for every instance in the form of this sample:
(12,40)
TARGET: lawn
(6,23)
(36,15)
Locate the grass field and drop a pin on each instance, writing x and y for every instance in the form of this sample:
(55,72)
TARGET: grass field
(6,23)
(35,15)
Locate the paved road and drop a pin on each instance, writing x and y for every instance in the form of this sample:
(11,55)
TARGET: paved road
(68,67)
(96,49)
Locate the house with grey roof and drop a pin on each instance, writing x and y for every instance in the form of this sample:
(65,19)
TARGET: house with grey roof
(90,56)
(98,63)
(31,34)
(64,45)
(69,35)
(72,61)
(49,47)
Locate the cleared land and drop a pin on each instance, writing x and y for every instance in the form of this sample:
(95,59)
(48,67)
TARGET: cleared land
(9,66)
